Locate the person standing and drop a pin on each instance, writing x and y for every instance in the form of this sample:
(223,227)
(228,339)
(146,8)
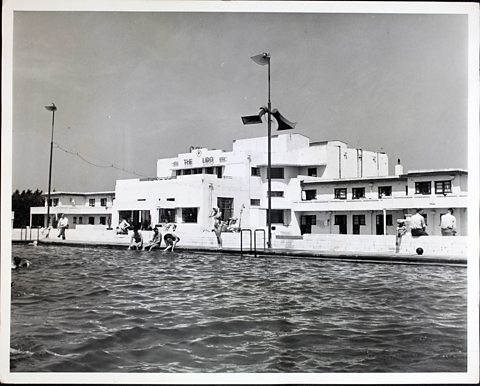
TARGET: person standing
(217,225)
(448,223)
(62,226)
(417,224)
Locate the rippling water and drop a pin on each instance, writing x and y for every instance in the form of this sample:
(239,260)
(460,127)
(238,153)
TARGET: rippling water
(102,310)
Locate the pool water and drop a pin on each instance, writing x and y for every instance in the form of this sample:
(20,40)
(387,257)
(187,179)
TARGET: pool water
(103,310)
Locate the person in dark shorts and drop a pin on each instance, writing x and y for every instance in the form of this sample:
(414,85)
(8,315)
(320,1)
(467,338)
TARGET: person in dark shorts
(136,240)
(170,238)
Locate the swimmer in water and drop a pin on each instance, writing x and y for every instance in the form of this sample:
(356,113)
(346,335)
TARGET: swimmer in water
(136,240)
(171,239)
(20,263)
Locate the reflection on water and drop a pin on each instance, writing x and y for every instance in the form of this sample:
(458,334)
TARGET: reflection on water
(102,310)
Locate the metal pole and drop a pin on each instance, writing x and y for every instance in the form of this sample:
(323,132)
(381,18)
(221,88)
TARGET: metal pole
(269,167)
(53,108)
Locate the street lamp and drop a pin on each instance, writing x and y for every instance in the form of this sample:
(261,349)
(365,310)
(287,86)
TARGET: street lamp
(283,124)
(51,108)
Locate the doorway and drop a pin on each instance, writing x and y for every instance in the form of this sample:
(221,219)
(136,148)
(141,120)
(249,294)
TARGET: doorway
(341,221)
(306,223)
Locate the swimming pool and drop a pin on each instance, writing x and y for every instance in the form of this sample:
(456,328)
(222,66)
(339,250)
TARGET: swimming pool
(102,310)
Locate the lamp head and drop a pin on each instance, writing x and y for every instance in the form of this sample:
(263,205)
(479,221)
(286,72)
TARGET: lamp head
(261,59)
(52,107)
(254,119)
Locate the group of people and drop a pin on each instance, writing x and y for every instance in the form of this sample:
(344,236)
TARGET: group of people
(448,224)
(170,238)
(219,226)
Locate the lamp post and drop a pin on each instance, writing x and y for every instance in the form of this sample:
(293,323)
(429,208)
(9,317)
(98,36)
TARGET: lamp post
(283,124)
(51,108)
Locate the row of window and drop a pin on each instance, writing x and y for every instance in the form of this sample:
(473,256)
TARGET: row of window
(91,202)
(279,173)
(90,220)
(218,170)
(423,187)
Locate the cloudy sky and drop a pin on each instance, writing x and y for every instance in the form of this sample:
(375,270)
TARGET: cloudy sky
(132,87)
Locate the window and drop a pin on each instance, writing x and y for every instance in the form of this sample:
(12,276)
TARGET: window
(80,220)
(255,202)
(209,170)
(103,202)
(197,171)
(91,220)
(310,194)
(277,173)
(276,193)
(54,202)
(103,220)
(225,204)
(187,172)
(389,219)
(276,216)
(256,172)
(443,187)
(423,187)
(219,172)
(74,219)
(358,219)
(341,193)
(178,172)
(189,215)
(312,172)
(166,215)
(384,191)
(170,198)
(358,193)
(91,202)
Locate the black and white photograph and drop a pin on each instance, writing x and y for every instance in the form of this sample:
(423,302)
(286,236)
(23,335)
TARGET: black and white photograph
(239,192)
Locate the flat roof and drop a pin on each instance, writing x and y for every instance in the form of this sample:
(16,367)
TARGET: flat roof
(319,180)
(435,172)
(78,193)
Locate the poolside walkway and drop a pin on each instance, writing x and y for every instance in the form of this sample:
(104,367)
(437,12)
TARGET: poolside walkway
(399,258)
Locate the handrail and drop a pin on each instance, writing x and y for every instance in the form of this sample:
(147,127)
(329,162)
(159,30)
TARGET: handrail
(255,240)
(241,239)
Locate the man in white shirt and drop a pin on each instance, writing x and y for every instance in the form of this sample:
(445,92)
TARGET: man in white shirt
(62,225)
(448,223)
(417,224)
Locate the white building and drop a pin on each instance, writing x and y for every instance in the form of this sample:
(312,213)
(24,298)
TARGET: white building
(81,209)
(188,186)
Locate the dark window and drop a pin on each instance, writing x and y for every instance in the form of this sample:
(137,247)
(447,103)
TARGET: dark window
(209,170)
(91,202)
(103,202)
(103,220)
(54,202)
(166,215)
(277,216)
(358,193)
(423,187)
(443,187)
(219,172)
(91,220)
(255,202)
(225,204)
(358,219)
(74,219)
(406,190)
(384,191)
(187,172)
(312,172)
(197,171)
(189,215)
(389,219)
(341,193)
(256,172)
(339,219)
(277,173)
(178,172)
(80,220)
(171,199)
(310,194)
(276,193)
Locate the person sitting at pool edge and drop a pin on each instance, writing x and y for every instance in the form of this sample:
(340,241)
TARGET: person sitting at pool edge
(417,224)
(171,239)
(137,239)
(156,240)
(122,228)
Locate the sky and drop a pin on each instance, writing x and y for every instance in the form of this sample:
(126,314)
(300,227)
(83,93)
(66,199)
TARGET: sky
(133,87)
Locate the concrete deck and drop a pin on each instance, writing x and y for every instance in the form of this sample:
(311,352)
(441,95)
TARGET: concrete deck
(363,257)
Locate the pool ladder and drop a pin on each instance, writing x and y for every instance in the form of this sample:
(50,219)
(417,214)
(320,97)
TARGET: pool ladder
(28,234)
(249,231)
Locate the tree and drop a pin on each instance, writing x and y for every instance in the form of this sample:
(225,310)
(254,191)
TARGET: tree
(21,204)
